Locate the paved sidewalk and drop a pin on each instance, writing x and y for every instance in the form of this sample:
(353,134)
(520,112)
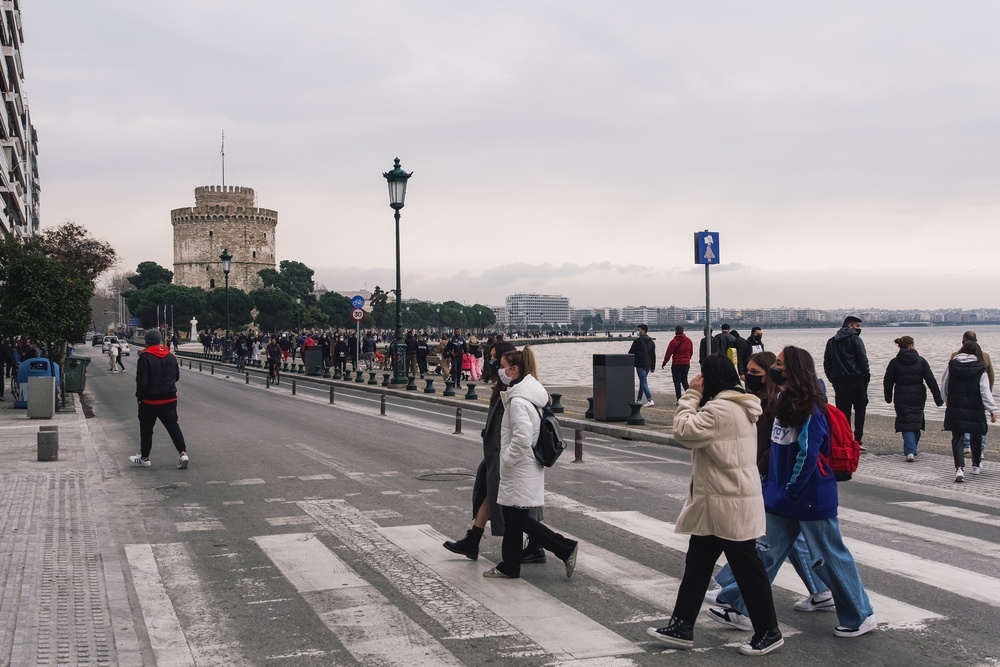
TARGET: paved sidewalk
(63,599)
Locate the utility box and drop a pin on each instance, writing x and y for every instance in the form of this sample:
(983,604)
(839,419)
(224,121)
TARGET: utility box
(312,359)
(41,397)
(76,374)
(614,386)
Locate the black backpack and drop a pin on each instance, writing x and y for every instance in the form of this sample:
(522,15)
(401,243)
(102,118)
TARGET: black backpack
(550,443)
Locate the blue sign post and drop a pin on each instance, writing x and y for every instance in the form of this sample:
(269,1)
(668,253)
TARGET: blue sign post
(706,251)
(358,301)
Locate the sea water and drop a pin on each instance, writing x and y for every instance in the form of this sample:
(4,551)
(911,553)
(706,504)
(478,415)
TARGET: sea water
(571,364)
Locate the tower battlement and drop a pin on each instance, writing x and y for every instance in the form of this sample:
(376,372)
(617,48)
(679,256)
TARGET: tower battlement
(224,195)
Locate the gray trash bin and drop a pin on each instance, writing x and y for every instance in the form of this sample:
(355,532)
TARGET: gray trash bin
(614,386)
(312,359)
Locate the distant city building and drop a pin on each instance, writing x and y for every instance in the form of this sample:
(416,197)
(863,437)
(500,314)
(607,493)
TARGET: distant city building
(524,310)
(224,217)
(501,315)
(19,184)
(634,315)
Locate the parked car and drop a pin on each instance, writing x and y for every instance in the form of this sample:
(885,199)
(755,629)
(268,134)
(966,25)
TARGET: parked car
(108,340)
(97,340)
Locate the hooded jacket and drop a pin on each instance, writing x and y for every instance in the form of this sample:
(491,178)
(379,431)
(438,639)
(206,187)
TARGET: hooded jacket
(797,487)
(966,390)
(845,358)
(522,478)
(156,376)
(909,375)
(681,349)
(644,350)
(724,496)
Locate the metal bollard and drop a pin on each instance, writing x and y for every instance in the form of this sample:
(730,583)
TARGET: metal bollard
(199,366)
(331,394)
(293,386)
(557,406)
(429,389)
(382,406)
(248,377)
(470,393)
(578,446)
(458,420)
(411,383)
(636,418)
(385,379)
(589,414)
(449,388)
(359,376)
(371,378)
(213,369)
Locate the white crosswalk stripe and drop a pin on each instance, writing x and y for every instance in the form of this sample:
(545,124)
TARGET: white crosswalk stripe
(953,512)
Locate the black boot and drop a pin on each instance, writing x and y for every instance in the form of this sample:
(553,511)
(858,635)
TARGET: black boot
(468,546)
(533,553)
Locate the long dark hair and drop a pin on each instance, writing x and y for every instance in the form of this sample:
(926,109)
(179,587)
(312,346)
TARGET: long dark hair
(801,392)
(720,374)
(770,390)
(972,347)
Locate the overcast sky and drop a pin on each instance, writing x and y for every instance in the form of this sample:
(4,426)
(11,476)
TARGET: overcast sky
(846,152)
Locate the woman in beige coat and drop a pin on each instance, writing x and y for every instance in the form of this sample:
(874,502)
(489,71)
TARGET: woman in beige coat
(724,509)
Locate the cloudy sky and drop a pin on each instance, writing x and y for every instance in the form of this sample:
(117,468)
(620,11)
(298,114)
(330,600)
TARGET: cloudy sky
(848,153)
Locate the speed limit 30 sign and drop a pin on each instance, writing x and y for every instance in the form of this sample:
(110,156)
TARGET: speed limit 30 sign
(357,314)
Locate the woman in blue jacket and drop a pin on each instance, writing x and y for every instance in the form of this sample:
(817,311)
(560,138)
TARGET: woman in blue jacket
(800,495)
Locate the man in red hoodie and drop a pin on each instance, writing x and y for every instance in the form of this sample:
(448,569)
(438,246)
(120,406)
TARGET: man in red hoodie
(156,376)
(681,349)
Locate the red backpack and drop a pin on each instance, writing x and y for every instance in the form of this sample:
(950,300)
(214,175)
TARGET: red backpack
(845,450)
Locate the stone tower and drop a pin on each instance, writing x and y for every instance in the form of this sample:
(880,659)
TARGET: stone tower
(223,217)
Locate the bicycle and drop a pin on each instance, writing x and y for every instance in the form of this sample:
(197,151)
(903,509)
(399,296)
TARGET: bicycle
(15,388)
(273,374)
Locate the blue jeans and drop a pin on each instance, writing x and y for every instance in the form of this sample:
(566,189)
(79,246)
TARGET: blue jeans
(800,559)
(910,441)
(966,441)
(833,563)
(643,386)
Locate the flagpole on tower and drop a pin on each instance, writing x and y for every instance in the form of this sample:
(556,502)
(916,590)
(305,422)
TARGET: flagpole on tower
(223,152)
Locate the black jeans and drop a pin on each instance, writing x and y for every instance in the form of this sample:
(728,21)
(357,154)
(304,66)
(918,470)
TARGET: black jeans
(958,448)
(516,523)
(854,395)
(456,371)
(680,377)
(748,570)
(167,414)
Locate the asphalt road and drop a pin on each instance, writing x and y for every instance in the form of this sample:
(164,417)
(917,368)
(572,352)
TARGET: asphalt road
(305,533)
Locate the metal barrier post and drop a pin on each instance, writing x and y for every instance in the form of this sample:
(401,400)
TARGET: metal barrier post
(382,406)
(331,394)
(248,377)
(578,453)
(293,386)
(458,420)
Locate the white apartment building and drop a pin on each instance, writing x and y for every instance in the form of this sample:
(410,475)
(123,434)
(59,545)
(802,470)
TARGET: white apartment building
(640,315)
(525,309)
(19,187)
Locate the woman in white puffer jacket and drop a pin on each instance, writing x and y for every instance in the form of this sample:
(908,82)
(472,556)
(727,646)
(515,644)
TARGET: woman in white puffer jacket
(522,478)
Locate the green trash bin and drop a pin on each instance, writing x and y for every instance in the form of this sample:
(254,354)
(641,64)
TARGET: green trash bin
(76,374)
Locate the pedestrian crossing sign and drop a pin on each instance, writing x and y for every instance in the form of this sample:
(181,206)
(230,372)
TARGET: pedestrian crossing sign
(706,247)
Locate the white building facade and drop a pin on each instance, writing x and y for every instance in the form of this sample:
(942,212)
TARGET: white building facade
(524,310)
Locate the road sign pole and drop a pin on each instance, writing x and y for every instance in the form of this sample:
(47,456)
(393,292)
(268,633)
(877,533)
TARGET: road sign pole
(708,315)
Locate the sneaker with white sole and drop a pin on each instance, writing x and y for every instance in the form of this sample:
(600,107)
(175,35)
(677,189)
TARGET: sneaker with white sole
(730,617)
(763,643)
(183,462)
(976,469)
(712,596)
(649,404)
(822,601)
(867,626)
(676,633)
(959,475)
(910,458)
(137,460)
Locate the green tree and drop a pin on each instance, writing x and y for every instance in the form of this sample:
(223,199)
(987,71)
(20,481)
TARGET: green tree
(185,302)
(380,308)
(72,246)
(293,278)
(337,309)
(214,313)
(148,274)
(275,309)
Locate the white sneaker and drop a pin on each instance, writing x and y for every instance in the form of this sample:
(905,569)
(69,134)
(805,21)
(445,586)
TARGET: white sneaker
(822,601)
(137,460)
(867,626)
(649,404)
(910,458)
(183,463)
(730,617)
(959,475)
(976,469)
(712,596)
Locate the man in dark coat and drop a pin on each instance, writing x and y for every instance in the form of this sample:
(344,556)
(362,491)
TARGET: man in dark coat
(156,376)
(845,363)
(644,352)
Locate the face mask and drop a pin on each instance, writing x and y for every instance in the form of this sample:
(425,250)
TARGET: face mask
(775,376)
(754,383)
(502,374)
(494,364)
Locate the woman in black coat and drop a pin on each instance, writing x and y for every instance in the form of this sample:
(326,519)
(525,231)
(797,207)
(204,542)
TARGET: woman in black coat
(908,374)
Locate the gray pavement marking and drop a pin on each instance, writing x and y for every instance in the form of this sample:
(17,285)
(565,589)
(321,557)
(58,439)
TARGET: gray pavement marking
(930,475)
(460,615)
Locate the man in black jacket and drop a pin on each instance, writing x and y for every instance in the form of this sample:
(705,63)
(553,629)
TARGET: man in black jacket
(845,363)
(156,376)
(644,351)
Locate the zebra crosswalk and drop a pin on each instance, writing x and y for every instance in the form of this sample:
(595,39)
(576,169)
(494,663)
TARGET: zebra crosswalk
(413,603)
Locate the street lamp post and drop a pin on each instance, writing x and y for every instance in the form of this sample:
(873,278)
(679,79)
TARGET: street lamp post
(298,314)
(439,322)
(479,324)
(227,265)
(397,179)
